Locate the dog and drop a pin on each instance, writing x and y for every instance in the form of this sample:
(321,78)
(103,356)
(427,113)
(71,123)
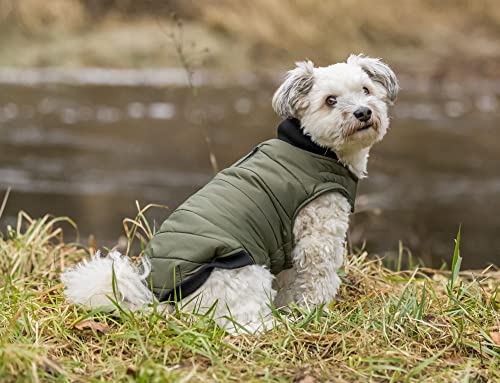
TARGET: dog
(270,229)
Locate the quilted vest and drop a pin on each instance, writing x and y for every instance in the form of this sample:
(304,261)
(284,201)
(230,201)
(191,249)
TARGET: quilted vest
(245,214)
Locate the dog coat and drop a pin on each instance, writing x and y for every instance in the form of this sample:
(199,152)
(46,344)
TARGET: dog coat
(245,214)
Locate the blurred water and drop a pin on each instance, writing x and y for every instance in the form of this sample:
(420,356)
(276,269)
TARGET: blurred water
(88,150)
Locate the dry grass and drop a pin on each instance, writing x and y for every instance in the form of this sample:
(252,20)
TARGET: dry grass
(329,30)
(428,36)
(415,325)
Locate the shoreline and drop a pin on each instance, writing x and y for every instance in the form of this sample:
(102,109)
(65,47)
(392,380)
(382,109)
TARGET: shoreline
(413,83)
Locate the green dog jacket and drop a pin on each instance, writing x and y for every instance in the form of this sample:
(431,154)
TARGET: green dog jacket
(245,214)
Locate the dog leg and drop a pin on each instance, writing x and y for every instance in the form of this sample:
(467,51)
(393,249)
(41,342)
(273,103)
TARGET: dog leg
(241,295)
(320,231)
(283,285)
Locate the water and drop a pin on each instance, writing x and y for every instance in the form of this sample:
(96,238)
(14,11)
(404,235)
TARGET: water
(88,150)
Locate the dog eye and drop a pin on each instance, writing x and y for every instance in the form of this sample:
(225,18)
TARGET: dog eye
(365,90)
(331,100)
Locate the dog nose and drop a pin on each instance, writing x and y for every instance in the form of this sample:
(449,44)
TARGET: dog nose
(363,113)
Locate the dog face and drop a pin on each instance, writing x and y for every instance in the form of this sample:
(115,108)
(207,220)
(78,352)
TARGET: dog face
(342,107)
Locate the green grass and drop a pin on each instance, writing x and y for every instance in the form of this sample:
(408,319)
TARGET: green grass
(394,326)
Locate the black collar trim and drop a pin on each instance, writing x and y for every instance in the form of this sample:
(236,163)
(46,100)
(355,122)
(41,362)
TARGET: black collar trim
(291,132)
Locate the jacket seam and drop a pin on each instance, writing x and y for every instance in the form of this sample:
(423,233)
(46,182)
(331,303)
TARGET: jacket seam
(194,234)
(258,207)
(337,163)
(204,263)
(287,170)
(270,191)
(210,222)
(340,189)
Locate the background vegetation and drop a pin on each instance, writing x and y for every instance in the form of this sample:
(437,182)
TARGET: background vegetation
(436,37)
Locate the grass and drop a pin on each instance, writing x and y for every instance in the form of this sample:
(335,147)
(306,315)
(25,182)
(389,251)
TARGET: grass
(386,326)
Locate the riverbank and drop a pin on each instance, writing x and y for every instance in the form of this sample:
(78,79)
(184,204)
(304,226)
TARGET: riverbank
(408,325)
(438,40)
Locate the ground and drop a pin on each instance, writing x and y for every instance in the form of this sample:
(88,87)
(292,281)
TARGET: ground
(408,325)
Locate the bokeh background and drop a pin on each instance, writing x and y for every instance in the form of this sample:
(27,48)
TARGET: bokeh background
(105,102)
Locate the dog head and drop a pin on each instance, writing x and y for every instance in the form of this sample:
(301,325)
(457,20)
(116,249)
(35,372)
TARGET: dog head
(342,107)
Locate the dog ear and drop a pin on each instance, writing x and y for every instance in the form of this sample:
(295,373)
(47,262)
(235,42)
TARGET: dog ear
(379,72)
(290,98)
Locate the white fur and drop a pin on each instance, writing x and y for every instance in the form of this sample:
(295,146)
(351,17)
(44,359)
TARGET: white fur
(305,89)
(243,295)
(335,128)
(320,231)
(90,283)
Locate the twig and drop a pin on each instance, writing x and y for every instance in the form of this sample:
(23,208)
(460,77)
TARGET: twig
(4,202)
(177,40)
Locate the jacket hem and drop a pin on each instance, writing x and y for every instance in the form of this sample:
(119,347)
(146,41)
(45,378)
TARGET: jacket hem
(196,280)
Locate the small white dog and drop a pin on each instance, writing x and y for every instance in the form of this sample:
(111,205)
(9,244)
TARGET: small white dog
(272,227)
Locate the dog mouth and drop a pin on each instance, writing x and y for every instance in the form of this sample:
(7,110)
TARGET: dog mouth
(365,127)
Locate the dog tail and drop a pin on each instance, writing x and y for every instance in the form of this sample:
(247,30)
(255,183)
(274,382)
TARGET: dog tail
(102,281)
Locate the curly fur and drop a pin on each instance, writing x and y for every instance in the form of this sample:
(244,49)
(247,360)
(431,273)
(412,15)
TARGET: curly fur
(320,229)
(244,295)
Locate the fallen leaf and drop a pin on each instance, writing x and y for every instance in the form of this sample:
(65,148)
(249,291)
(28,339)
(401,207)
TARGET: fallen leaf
(93,325)
(496,337)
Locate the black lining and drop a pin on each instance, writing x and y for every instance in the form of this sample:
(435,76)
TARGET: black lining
(176,259)
(195,281)
(290,131)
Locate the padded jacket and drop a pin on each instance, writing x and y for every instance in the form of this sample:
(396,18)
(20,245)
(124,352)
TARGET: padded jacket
(245,214)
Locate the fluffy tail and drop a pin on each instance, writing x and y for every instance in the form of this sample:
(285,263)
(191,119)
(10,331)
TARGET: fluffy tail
(90,283)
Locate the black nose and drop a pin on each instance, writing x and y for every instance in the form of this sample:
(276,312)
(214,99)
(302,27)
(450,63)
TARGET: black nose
(363,113)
